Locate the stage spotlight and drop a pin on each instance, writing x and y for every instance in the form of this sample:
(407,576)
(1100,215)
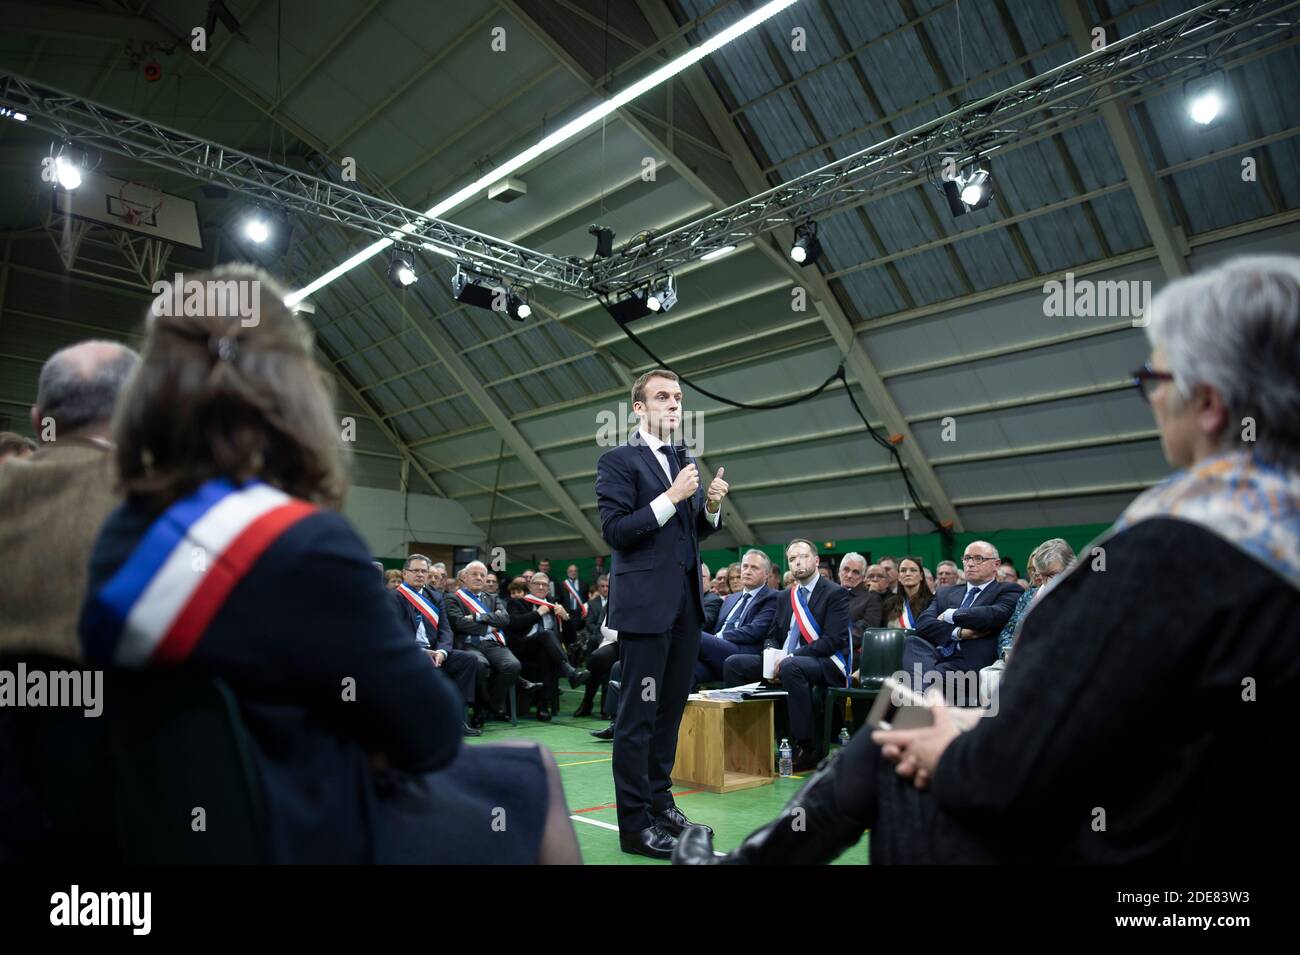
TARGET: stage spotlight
(972,188)
(257,228)
(807,249)
(67,172)
(517,307)
(471,289)
(663,298)
(8,112)
(401,272)
(604,240)
(1205,98)
(632,306)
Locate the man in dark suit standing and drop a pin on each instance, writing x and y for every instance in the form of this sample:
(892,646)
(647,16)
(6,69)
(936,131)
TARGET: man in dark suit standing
(744,620)
(816,639)
(653,514)
(963,622)
(422,611)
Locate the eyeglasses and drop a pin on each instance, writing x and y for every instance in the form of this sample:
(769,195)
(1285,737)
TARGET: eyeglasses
(976,560)
(1146,378)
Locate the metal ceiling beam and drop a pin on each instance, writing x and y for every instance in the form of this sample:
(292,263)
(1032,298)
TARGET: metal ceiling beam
(1171,245)
(829,308)
(439,344)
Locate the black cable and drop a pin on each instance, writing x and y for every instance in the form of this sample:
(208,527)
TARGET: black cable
(838,373)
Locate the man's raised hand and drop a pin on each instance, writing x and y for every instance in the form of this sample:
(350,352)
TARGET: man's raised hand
(685,484)
(717,489)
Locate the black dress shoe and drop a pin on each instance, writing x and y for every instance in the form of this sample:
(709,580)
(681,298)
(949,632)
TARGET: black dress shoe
(527,686)
(578,677)
(500,716)
(543,714)
(805,759)
(653,842)
(477,719)
(606,733)
(467,730)
(582,711)
(812,829)
(674,821)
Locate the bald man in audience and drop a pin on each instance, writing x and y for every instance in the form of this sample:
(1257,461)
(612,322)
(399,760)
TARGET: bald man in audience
(53,503)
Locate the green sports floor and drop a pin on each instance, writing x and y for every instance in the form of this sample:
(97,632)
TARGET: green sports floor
(589,787)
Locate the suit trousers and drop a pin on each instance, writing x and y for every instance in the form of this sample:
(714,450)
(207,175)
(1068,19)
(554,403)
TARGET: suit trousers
(714,651)
(463,667)
(656,671)
(798,676)
(503,669)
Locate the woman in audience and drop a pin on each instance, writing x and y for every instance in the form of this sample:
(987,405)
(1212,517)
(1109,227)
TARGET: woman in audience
(229,559)
(733,579)
(903,609)
(1049,559)
(533,637)
(392,579)
(1138,720)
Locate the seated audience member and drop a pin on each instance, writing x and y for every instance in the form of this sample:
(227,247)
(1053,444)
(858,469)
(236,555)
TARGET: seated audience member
(478,619)
(1007,575)
(571,594)
(535,632)
(712,602)
(720,583)
(816,640)
(392,579)
(929,579)
(493,584)
(1093,709)
(226,439)
(958,632)
(53,502)
(596,605)
(774,579)
(825,571)
(423,613)
(1050,559)
(903,609)
(544,567)
(787,579)
(602,657)
(609,708)
(733,578)
(13,445)
(864,602)
(945,574)
(744,621)
(437,574)
(876,579)
(889,567)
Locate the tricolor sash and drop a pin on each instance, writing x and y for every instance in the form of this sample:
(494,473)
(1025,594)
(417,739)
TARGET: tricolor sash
(471,604)
(538,601)
(155,609)
(426,609)
(807,629)
(907,618)
(578,601)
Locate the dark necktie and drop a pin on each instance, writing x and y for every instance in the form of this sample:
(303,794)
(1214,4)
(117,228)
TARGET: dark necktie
(670,452)
(737,613)
(970,597)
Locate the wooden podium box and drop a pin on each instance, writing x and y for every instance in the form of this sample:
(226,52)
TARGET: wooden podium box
(725,746)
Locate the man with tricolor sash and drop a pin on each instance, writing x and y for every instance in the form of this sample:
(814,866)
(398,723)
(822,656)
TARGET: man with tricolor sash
(573,598)
(421,610)
(812,627)
(479,620)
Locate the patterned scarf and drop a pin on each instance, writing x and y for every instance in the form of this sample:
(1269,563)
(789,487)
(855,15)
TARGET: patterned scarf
(1252,505)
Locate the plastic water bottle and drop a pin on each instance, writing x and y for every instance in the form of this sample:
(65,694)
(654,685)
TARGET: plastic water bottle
(785,760)
(844,736)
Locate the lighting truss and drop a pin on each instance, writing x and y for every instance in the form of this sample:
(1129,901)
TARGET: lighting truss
(93,126)
(1141,60)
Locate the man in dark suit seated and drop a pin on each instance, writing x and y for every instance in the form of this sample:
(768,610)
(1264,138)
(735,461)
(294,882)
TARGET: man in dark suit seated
(478,619)
(743,622)
(962,624)
(866,610)
(816,639)
(653,514)
(423,613)
(712,601)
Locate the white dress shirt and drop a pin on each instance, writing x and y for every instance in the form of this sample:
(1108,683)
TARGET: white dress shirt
(946,616)
(663,507)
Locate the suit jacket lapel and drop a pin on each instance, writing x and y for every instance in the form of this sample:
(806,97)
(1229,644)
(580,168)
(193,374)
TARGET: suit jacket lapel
(650,458)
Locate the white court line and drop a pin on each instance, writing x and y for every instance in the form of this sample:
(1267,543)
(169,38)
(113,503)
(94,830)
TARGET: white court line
(606,825)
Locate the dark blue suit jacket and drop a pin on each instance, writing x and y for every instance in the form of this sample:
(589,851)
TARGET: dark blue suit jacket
(755,620)
(410,617)
(829,604)
(988,615)
(650,563)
